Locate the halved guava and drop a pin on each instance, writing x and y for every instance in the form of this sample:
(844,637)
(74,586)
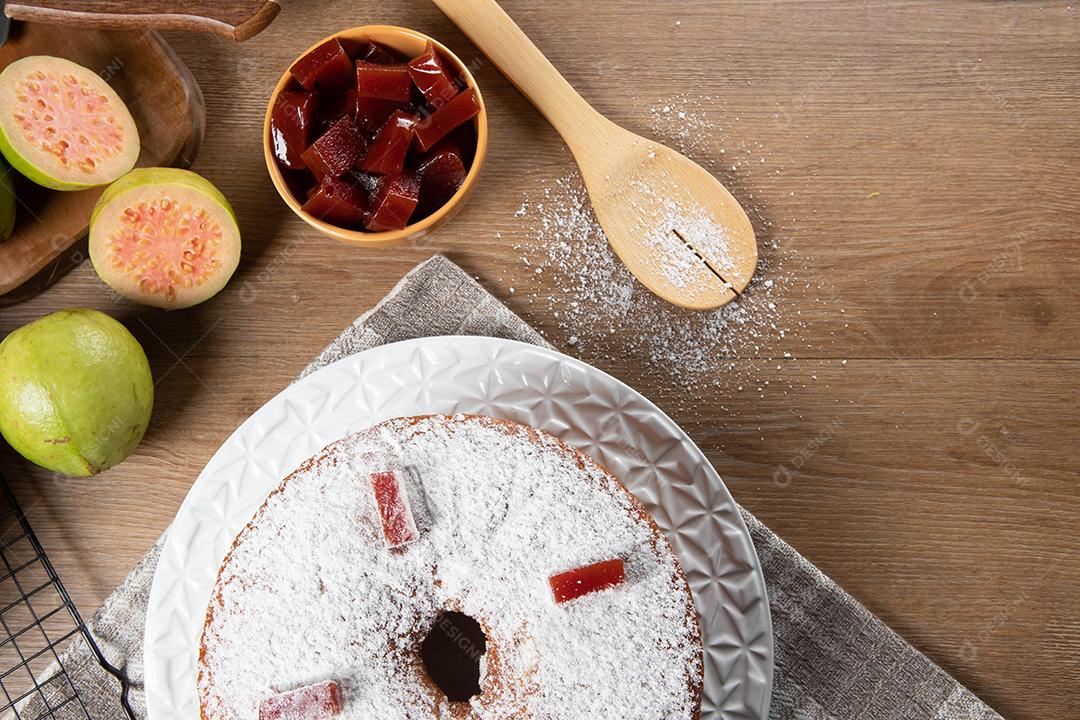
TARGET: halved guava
(7,201)
(164,237)
(62,126)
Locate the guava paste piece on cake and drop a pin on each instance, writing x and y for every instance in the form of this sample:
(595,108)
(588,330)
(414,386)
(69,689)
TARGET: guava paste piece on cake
(314,702)
(572,584)
(395,512)
(327,67)
(463,107)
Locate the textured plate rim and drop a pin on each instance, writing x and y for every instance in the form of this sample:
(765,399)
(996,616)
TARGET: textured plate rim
(488,344)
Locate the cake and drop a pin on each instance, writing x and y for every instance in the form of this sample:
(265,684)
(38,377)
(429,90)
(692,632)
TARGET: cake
(514,577)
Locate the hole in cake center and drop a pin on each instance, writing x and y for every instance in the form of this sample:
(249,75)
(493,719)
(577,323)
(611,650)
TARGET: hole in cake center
(451,653)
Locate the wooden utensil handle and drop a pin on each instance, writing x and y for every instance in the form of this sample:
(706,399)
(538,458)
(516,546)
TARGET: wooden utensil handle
(236,19)
(499,37)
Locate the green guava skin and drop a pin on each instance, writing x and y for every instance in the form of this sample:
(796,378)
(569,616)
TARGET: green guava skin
(7,201)
(29,171)
(161,176)
(75,392)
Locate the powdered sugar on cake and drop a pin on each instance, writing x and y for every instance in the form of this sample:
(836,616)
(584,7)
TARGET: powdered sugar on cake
(310,591)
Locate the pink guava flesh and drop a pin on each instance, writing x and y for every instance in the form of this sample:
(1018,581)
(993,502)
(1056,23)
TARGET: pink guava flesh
(164,237)
(62,126)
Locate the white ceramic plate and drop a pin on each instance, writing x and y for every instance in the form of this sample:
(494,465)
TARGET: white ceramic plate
(582,405)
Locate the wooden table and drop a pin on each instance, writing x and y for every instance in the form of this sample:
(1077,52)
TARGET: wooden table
(929,157)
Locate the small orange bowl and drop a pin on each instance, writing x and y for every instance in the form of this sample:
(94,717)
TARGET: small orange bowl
(409,43)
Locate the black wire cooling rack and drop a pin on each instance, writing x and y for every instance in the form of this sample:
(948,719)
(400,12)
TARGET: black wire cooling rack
(37,621)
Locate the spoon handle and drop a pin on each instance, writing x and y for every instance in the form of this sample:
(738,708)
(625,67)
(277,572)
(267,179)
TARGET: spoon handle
(237,19)
(499,37)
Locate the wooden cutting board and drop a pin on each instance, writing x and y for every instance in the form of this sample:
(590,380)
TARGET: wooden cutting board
(51,227)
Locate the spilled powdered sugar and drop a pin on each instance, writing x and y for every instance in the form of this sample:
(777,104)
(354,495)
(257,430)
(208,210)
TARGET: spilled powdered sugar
(604,313)
(678,267)
(499,510)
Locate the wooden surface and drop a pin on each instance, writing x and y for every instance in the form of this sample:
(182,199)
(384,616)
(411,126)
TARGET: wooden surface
(929,156)
(163,101)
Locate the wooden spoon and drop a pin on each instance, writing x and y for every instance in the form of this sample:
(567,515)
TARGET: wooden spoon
(236,19)
(671,222)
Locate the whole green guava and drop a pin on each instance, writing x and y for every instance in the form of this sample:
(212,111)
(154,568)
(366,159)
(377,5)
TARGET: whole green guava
(75,391)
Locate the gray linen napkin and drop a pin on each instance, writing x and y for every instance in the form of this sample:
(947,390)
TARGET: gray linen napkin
(834,659)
